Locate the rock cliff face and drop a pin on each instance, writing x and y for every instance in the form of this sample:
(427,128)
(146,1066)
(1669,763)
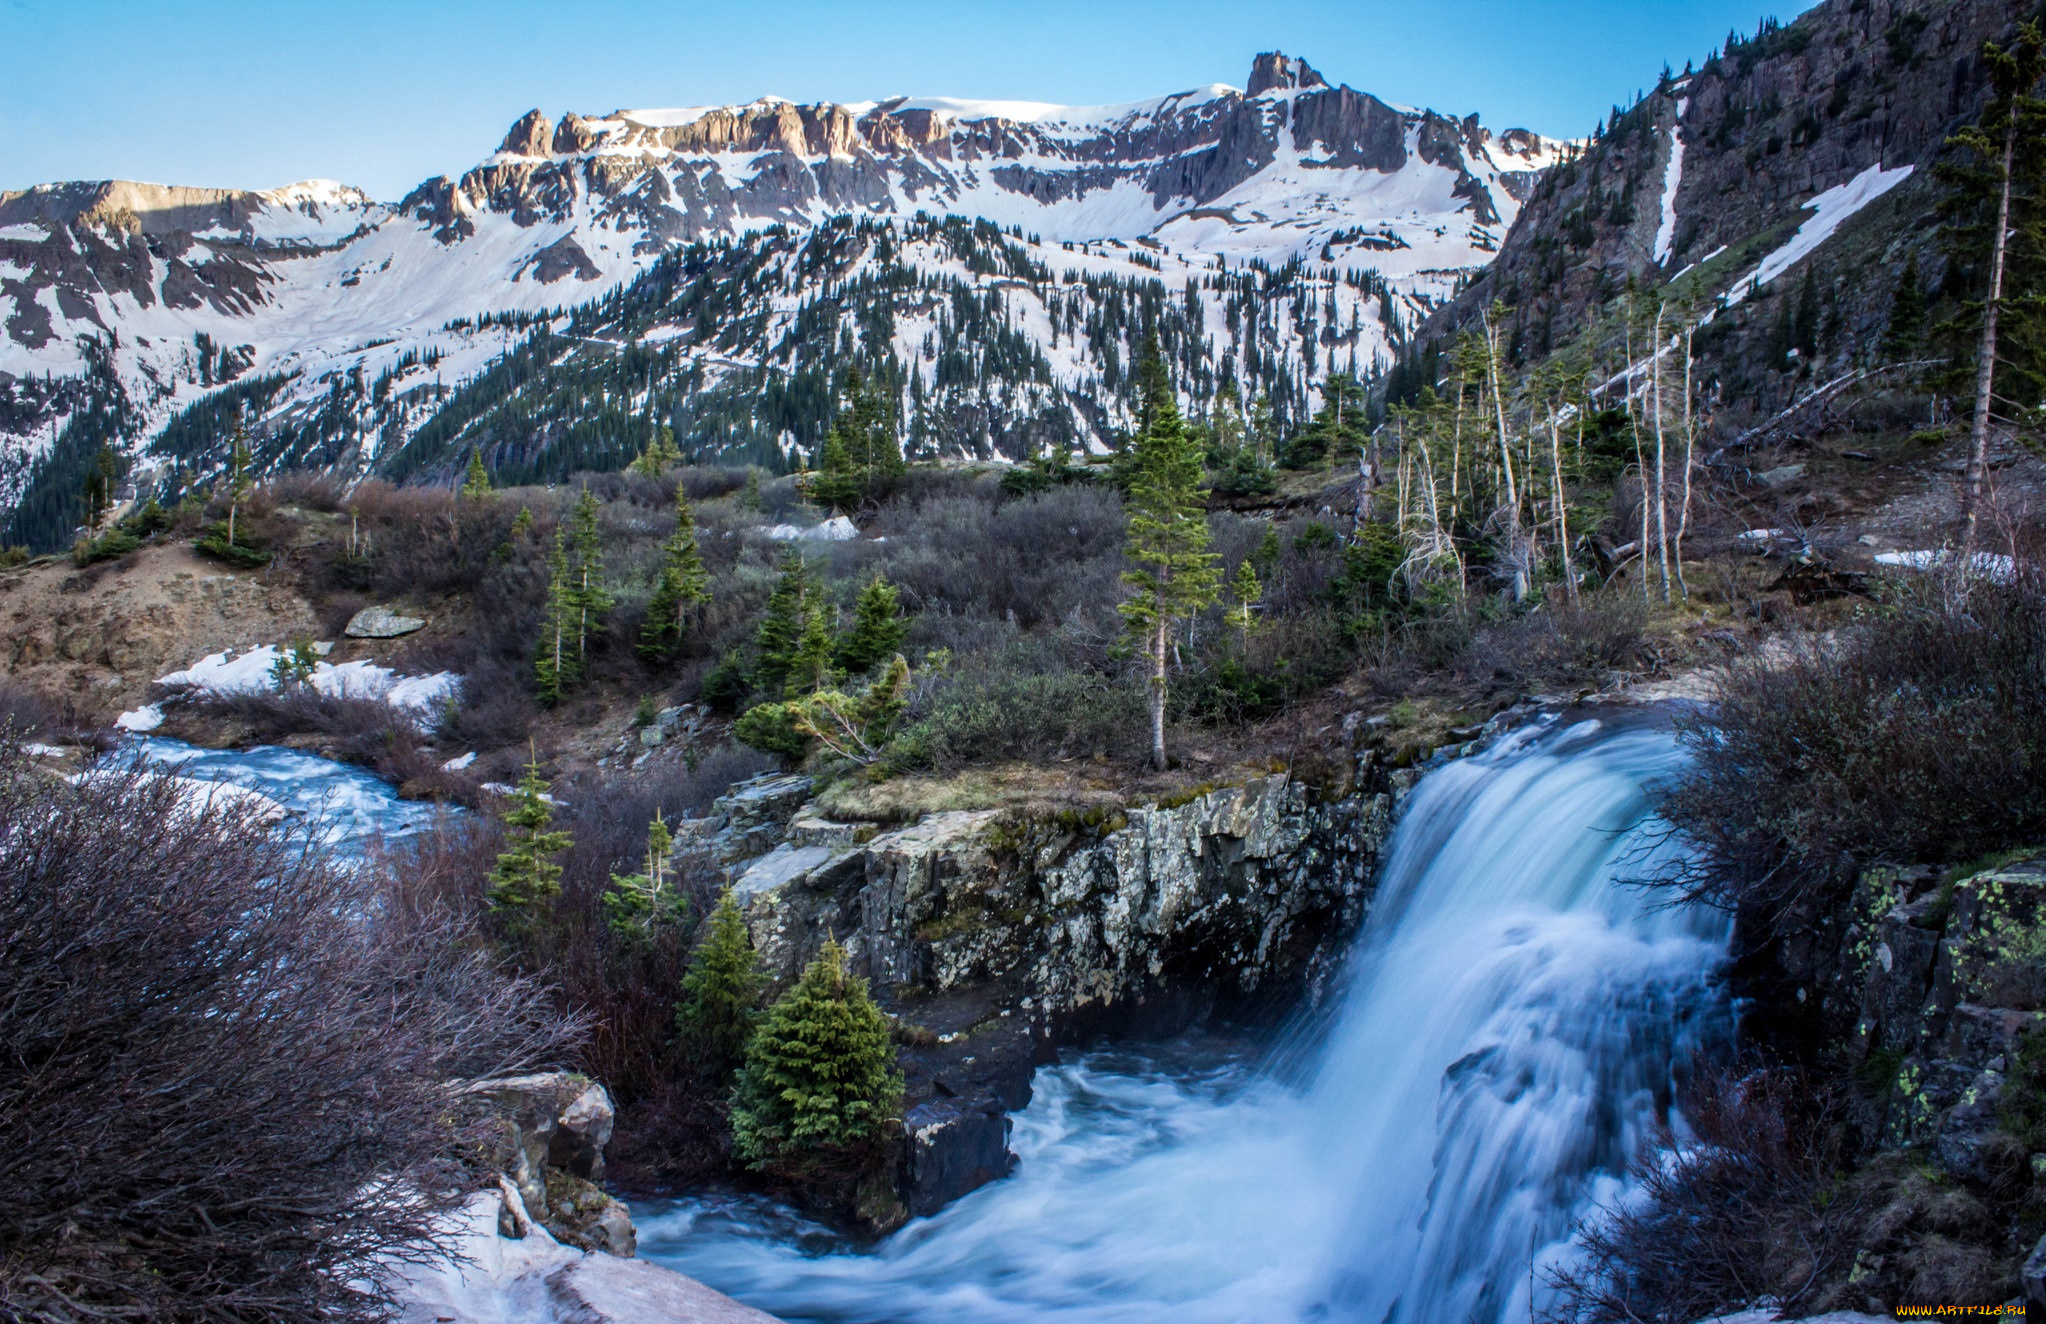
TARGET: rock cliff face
(548,1137)
(1949,984)
(995,936)
(1833,120)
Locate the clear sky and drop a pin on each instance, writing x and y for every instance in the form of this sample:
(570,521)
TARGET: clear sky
(386,93)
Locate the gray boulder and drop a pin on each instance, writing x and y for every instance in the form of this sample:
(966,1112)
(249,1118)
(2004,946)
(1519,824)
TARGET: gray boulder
(382,623)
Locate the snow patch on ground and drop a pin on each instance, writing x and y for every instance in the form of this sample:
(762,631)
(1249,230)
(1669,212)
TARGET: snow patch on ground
(537,1280)
(1830,210)
(251,672)
(146,718)
(1996,568)
(836,529)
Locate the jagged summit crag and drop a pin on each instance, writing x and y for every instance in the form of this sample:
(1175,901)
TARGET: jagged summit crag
(1292,226)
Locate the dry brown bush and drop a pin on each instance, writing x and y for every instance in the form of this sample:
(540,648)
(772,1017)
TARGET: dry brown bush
(223,1059)
(1915,733)
(1742,1207)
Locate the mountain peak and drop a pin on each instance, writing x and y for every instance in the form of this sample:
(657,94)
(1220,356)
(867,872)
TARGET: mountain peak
(1284,72)
(531,136)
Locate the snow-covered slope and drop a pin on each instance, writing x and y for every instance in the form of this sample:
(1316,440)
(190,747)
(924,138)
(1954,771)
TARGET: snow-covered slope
(190,287)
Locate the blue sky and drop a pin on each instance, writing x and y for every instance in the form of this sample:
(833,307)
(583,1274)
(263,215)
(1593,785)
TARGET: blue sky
(385,93)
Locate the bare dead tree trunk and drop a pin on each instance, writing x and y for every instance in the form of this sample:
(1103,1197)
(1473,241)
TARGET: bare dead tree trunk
(1562,509)
(1516,543)
(1690,446)
(1655,352)
(1985,367)
(1158,648)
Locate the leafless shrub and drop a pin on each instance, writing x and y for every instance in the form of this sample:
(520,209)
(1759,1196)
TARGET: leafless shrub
(27,712)
(223,1059)
(1915,733)
(354,728)
(313,491)
(1560,643)
(1036,559)
(1743,1207)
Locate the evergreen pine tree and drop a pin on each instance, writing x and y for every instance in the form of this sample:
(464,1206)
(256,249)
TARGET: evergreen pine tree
(1174,574)
(682,585)
(834,484)
(526,878)
(1995,240)
(721,993)
(1338,429)
(476,482)
(660,455)
(877,449)
(781,629)
(635,904)
(239,484)
(810,661)
(1246,592)
(586,569)
(877,628)
(819,1085)
(1906,329)
(558,663)
(101,484)
(295,666)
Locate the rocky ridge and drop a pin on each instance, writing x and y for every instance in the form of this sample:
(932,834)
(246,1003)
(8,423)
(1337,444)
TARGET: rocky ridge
(1701,189)
(311,305)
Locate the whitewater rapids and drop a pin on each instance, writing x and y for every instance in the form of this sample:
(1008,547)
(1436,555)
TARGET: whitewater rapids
(1514,1022)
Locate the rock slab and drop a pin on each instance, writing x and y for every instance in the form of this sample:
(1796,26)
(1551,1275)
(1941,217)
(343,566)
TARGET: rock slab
(382,623)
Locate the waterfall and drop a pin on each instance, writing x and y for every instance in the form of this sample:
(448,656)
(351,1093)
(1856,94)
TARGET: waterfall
(1513,1024)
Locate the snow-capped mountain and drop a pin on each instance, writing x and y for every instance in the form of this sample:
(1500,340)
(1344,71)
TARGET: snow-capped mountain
(315,290)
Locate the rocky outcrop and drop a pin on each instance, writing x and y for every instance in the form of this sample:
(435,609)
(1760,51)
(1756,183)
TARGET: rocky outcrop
(535,1279)
(382,623)
(1952,978)
(993,936)
(1717,168)
(549,1132)
(1232,888)
(102,635)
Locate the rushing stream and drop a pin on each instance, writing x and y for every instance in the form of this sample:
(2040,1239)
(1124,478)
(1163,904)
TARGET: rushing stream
(351,805)
(1513,1021)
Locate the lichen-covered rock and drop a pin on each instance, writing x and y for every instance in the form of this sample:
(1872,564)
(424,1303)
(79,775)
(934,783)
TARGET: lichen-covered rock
(1228,888)
(555,1126)
(1951,980)
(382,623)
(750,819)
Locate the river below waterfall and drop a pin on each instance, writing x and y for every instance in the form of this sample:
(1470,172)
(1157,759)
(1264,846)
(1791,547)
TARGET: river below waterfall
(350,806)
(1513,1023)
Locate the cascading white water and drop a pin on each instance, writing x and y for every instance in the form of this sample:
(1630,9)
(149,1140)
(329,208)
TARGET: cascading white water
(1512,1024)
